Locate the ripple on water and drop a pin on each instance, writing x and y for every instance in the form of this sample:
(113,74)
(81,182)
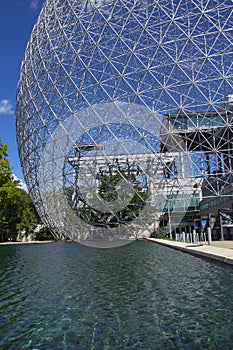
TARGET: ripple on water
(138,296)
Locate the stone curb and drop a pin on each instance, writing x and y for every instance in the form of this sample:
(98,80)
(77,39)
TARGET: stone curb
(223,255)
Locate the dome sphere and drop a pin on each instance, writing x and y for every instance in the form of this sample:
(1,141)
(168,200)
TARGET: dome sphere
(100,82)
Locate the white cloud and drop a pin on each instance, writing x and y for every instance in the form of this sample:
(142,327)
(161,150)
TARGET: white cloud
(21,183)
(34,4)
(6,107)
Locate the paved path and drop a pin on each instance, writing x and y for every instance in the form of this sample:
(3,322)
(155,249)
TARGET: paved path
(219,250)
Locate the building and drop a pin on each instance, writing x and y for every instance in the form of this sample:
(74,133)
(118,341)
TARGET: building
(143,85)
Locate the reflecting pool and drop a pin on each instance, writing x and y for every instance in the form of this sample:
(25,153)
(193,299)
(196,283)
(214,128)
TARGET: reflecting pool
(138,296)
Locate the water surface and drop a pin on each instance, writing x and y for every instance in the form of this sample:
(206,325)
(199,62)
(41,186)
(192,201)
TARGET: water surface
(138,296)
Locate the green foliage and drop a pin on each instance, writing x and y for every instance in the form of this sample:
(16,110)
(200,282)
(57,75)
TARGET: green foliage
(5,168)
(161,234)
(17,213)
(107,188)
(43,235)
(108,191)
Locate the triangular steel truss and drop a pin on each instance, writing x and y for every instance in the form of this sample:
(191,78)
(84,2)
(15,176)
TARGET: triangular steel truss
(150,81)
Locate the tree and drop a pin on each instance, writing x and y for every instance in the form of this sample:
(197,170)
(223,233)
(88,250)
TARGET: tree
(17,212)
(108,191)
(5,168)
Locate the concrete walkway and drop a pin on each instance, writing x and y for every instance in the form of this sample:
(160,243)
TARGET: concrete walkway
(219,250)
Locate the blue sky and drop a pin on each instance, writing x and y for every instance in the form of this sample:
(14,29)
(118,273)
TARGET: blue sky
(17,18)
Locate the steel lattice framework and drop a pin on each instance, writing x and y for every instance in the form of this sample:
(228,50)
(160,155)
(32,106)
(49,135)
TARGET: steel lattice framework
(124,111)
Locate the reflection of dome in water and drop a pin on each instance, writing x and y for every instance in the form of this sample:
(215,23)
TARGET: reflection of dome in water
(122,107)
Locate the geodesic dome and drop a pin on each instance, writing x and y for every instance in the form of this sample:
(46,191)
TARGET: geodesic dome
(124,109)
